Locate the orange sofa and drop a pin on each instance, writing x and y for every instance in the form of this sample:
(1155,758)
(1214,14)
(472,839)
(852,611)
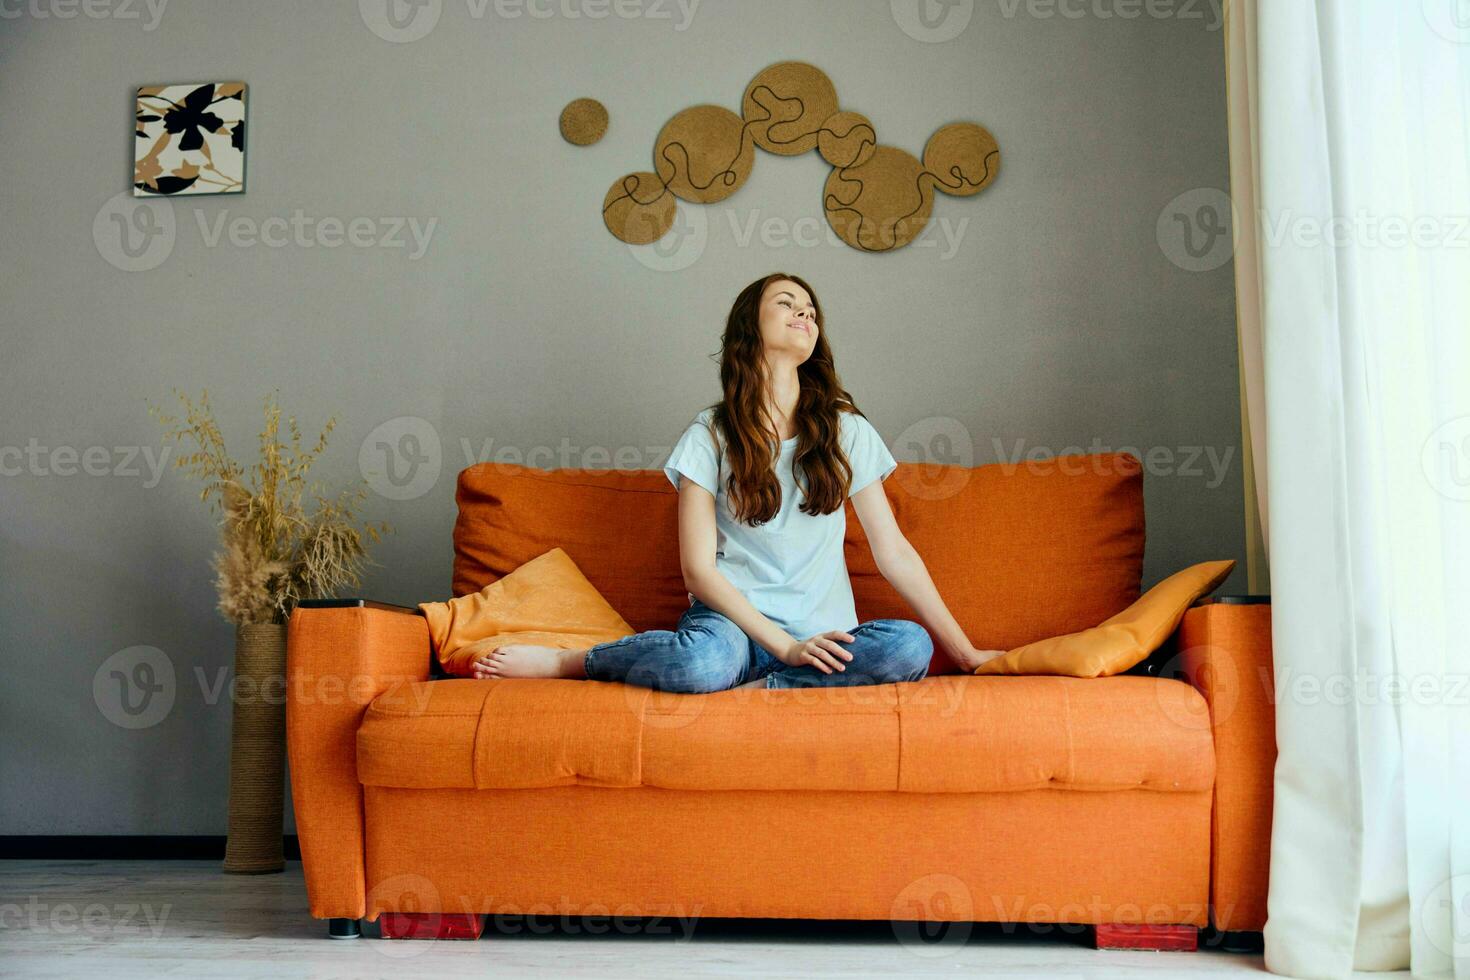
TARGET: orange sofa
(1138,804)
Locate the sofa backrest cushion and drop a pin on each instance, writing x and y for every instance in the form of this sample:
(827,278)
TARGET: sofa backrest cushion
(1019,552)
(620,527)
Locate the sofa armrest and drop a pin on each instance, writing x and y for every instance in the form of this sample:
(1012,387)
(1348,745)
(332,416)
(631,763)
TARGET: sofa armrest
(339,658)
(353,603)
(1224,650)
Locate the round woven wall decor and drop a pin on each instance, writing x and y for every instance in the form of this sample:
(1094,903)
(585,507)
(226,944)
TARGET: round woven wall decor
(638,208)
(876,198)
(963,158)
(583,121)
(846,139)
(881,205)
(703,154)
(785,106)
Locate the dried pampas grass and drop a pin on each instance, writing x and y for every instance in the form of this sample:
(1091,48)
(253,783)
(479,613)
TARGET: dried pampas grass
(273,551)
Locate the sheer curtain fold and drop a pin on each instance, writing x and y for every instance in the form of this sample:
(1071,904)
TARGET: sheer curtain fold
(1245,165)
(1350,140)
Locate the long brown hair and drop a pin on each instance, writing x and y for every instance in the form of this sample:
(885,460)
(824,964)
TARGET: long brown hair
(750,439)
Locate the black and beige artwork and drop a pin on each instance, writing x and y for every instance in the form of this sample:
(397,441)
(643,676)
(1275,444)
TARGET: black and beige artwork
(189,139)
(877,198)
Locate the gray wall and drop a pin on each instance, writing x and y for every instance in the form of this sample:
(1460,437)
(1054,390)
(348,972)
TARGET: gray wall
(1058,320)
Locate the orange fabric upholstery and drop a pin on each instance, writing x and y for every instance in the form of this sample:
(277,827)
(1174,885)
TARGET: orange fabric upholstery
(620,527)
(421,734)
(941,735)
(338,661)
(1041,855)
(1019,552)
(1225,651)
(1123,799)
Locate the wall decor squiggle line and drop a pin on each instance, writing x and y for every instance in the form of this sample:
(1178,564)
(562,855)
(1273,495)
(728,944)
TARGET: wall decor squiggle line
(877,198)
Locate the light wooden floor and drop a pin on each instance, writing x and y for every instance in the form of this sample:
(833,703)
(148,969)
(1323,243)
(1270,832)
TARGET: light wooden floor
(122,919)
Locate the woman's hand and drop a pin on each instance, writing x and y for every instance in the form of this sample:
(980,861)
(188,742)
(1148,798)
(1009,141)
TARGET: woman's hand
(970,658)
(820,651)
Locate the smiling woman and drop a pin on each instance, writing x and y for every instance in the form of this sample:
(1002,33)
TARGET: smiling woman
(763,477)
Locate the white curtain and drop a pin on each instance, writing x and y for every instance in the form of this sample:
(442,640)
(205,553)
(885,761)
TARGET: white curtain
(1349,127)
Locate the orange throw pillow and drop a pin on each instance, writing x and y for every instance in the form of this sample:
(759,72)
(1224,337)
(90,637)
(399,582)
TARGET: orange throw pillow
(547,602)
(1122,641)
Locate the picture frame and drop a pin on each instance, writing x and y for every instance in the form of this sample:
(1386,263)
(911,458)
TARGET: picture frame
(190,139)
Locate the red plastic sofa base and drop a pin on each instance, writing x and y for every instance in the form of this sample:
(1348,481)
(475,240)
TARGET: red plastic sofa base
(430,925)
(1112,935)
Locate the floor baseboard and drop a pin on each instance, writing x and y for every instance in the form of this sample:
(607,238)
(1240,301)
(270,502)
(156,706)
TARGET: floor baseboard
(89,847)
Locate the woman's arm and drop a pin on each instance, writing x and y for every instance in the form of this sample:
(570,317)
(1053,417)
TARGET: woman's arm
(908,575)
(900,564)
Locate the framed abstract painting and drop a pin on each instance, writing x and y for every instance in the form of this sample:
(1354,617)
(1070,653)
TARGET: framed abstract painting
(189,139)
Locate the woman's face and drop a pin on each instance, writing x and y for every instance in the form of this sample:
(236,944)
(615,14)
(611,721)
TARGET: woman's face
(788,319)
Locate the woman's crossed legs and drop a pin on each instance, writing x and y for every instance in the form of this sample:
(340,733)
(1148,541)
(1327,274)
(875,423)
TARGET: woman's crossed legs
(708,652)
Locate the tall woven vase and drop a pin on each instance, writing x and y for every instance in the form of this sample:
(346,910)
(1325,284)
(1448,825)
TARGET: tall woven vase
(257,751)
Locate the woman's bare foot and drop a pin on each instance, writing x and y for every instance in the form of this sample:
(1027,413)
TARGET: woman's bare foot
(528,660)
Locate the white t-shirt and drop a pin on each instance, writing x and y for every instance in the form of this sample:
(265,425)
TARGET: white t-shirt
(792,567)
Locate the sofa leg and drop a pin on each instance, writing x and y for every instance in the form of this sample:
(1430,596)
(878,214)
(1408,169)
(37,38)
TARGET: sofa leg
(1118,935)
(430,925)
(1233,941)
(343,929)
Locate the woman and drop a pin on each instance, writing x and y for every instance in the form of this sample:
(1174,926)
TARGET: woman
(770,600)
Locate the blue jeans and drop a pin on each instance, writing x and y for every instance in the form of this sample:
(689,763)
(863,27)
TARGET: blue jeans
(708,652)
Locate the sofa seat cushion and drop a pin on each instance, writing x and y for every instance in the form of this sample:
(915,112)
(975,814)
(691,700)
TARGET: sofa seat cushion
(953,734)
